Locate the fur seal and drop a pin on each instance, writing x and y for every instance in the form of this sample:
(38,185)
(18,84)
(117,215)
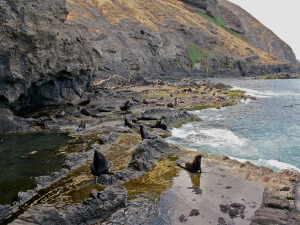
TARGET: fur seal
(193,167)
(164,126)
(99,165)
(85,112)
(128,122)
(86,102)
(81,126)
(126,106)
(145,134)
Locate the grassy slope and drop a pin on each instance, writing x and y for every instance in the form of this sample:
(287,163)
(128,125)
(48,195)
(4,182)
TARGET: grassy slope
(155,13)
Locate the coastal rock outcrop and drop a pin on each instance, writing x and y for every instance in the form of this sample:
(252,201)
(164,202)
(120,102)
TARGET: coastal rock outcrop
(144,158)
(44,60)
(11,123)
(91,210)
(52,52)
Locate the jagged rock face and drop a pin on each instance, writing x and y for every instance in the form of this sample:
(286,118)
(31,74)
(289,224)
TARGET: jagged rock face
(240,21)
(52,50)
(256,33)
(43,59)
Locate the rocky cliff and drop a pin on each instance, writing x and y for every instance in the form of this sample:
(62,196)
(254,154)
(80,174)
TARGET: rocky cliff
(53,50)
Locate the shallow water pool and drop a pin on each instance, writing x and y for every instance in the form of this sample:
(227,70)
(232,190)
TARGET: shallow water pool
(26,156)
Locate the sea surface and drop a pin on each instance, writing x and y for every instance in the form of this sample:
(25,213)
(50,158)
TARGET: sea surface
(265,131)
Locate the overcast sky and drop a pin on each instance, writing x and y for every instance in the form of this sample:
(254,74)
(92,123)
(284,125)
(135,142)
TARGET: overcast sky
(281,16)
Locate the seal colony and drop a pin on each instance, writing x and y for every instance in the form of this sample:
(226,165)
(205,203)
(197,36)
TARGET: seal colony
(126,155)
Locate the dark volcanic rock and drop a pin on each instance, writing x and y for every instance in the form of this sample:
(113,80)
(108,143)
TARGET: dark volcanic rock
(194,212)
(144,158)
(92,210)
(108,138)
(234,210)
(182,218)
(43,59)
(134,212)
(10,123)
(147,154)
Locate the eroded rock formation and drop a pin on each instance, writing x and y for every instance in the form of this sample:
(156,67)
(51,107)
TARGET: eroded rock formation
(52,51)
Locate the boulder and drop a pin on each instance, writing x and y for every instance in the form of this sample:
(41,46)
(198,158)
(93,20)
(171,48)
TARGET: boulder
(11,123)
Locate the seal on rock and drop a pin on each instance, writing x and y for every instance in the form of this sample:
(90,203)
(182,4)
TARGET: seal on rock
(126,106)
(128,122)
(99,165)
(85,112)
(145,134)
(193,167)
(81,126)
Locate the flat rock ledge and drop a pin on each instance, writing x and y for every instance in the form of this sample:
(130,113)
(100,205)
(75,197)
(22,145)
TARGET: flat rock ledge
(92,210)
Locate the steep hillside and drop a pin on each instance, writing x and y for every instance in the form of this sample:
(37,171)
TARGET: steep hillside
(52,51)
(254,32)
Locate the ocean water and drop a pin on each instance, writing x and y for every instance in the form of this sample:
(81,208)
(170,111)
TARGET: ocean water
(265,131)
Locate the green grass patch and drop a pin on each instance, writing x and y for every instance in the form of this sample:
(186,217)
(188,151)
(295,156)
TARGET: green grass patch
(196,54)
(229,65)
(235,93)
(219,22)
(235,34)
(179,123)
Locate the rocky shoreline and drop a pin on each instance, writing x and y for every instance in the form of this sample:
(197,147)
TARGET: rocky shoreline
(280,76)
(98,123)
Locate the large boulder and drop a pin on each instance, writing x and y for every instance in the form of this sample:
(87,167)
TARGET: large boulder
(10,123)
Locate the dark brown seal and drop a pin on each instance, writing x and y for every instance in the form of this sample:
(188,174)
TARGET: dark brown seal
(193,167)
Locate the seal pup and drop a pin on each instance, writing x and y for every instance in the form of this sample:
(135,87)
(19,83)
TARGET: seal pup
(145,134)
(193,167)
(99,165)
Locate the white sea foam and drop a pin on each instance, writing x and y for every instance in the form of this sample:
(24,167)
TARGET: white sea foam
(271,163)
(217,137)
(182,133)
(265,94)
(280,165)
(240,160)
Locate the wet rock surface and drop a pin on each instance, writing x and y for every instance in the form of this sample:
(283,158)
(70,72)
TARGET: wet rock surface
(134,212)
(11,123)
(92,210)
(144,158)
